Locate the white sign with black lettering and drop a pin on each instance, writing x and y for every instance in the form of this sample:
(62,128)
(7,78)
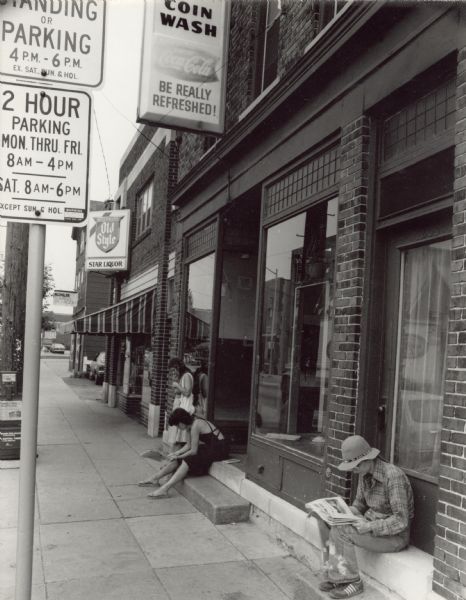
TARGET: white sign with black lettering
(184,64)
(44,153)
(65,298)
(107,240)
(54,40)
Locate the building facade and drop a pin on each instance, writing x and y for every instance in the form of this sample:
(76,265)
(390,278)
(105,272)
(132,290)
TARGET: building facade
(93,291)
(313,257)
(335,201)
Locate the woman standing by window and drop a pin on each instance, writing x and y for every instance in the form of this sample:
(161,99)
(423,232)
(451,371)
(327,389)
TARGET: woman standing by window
(183,382)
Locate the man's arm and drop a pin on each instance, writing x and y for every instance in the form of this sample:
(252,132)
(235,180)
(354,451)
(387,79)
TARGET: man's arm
(398,521)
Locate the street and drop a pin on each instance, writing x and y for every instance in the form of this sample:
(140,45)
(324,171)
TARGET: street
(99,537)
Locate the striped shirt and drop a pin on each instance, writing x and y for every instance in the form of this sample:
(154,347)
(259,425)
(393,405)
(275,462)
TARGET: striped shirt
(385,498)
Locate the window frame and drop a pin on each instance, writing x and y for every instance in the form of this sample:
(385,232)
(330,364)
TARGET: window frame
(282,447)
(143,218)
(263,30)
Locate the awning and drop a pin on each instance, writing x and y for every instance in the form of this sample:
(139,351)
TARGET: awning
(197,328)
(135,315)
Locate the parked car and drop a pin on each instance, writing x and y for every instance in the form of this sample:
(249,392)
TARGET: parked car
(57,348)
(97,368)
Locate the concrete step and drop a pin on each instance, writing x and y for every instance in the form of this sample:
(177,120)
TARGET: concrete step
(214,500)
(406,574)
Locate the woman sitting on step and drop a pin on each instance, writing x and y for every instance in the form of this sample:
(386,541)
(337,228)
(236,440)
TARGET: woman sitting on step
(205,445)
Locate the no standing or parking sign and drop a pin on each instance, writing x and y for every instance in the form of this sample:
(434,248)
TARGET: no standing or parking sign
(53,40)
(44,153)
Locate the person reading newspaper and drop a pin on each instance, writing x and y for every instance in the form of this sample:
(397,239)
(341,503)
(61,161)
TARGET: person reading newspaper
(334,511)
(384,509)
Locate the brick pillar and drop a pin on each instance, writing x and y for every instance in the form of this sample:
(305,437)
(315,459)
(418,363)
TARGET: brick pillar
(350,259)
(161,333)
(450,542)
(112,362)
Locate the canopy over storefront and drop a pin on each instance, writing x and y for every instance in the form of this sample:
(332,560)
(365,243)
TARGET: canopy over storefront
(135,315)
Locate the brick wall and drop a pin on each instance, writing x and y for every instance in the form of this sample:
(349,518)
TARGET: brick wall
(351,235)
(240,78)
(111,358)
(162,325)
(175,320)
(111,363)
(298,26)
(450,543)
(142,141)
(146,249)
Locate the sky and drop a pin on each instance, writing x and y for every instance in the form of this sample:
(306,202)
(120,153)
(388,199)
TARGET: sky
(115,106)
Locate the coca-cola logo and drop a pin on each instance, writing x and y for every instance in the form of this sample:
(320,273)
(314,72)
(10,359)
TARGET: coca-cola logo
(187,64)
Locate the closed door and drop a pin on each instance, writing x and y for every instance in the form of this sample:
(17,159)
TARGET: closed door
(413,373)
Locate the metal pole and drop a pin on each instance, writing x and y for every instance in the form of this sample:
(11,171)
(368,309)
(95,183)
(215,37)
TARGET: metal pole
(27,470)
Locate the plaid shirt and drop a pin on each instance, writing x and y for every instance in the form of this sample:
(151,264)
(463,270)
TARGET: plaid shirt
(385,498)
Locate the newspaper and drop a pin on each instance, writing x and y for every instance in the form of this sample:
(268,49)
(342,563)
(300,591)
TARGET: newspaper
(334,511)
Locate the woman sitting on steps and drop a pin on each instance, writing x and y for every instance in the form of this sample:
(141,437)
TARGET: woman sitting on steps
(205,445)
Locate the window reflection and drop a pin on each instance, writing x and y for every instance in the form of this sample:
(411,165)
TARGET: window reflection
(199,311)
(296,329)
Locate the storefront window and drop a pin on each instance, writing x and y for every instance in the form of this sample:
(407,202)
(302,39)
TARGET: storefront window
(235,337)
(199,311)
(424,309)
(139,382)
(296,326)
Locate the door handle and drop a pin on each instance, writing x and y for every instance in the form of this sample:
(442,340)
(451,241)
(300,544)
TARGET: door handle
(381,412)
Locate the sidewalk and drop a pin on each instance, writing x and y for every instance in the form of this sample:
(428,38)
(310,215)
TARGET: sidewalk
(98,537)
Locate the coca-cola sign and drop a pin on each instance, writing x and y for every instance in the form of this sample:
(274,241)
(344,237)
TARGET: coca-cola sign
(183,73)
(180,62)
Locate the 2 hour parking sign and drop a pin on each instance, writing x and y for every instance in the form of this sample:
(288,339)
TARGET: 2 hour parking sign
(44,153)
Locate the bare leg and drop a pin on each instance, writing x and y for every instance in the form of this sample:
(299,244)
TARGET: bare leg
(168,468)
(177,476)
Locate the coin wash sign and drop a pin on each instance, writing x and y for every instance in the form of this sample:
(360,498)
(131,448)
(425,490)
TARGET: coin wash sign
(183,70)
(107,240)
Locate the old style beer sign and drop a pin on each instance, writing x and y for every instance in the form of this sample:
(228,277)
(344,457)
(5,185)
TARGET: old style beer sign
(183,70)
(107,240)
(107,232)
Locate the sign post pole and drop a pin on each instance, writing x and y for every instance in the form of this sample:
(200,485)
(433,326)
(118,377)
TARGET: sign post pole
(27,472)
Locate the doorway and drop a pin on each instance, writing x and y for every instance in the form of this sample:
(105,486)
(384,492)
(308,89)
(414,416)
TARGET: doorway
(414,350)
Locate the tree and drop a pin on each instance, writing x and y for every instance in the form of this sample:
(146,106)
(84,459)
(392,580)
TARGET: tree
(48,286)
(14,298)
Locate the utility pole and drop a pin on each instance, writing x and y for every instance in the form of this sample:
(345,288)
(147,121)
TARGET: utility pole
(14,299)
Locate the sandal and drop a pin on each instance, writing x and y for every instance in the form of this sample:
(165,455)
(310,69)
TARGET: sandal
(156,496)
(348,590)
(148,483)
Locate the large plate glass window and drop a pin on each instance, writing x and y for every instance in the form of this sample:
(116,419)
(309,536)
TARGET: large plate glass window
(199,312)
(295,349)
